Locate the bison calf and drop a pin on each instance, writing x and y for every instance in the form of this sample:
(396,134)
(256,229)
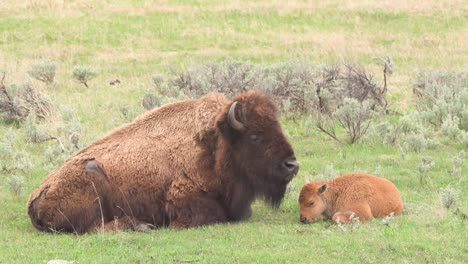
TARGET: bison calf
(189,163)
(363,195)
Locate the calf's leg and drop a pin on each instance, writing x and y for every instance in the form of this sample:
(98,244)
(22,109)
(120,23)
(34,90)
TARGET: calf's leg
(361,210)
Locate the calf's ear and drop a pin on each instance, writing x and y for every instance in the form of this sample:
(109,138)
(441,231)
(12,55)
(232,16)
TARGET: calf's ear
(322,188)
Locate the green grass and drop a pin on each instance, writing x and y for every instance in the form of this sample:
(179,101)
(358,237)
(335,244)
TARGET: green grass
(134,40)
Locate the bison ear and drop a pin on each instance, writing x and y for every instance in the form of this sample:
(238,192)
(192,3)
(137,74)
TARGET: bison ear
(322,188)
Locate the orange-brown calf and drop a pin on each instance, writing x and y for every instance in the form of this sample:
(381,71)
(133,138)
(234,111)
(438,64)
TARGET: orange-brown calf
(363,195)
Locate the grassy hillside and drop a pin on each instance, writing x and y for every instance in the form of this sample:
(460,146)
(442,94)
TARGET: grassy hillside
(134,40)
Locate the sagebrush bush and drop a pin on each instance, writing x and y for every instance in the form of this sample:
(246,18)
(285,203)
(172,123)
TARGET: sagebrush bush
(44,71)
(425,165)
(22,161)
(18,101)
(292,83)
(229,77)
(413,142)
(442,93)
(84,74)
(34,131)
(457,163)
(150,101)
(354,117)
(448,196)
(16,184)
(6,145)
(450,127)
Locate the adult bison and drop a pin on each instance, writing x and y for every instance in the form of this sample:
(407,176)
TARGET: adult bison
(189,163)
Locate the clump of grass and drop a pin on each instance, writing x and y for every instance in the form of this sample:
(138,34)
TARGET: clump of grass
(425,165)
(448,196)
(328,173)
(353,224)
(378,170)
(16,184)
(128,113)
(388,219)
(44,71)
(84,74)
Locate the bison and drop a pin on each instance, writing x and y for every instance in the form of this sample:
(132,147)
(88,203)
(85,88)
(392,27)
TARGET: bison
(186,164)
(351,195)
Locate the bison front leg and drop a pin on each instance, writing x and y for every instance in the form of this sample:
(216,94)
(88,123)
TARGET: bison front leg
(361,211)
(197,211)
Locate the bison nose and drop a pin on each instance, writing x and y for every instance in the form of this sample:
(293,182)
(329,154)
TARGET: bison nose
(303,219)
(292,165)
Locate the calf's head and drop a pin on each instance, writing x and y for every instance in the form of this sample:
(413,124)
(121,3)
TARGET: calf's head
(259,151)
(311,203)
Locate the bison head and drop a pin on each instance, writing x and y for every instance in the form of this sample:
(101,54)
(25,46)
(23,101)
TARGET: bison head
(259,153)
(311,202)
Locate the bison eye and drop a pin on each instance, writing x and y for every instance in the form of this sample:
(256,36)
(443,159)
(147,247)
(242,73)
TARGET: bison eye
(255,138)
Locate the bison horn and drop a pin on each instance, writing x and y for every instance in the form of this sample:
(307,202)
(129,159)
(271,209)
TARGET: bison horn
(237,125)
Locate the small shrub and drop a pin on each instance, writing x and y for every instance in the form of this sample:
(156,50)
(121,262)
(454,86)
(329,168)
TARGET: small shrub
(6,145)
(413,142)
(229,77)
(448,197)
(425,165)
(16,184)
(442,93)
(150,101)
(34,131)
(450,127)
(458,161)
(18,101)
(23,161)
(354,117)
(384,132)
(464,138)
(43,71)
(84,74)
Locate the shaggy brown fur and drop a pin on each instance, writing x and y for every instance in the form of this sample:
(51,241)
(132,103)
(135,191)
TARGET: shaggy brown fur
(182,165)
(363,195)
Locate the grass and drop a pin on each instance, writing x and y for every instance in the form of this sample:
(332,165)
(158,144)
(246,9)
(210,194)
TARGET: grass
(133,40)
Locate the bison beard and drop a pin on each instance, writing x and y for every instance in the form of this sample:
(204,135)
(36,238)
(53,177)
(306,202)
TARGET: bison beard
(186,164)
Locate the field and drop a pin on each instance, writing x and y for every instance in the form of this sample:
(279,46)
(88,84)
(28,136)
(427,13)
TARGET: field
(134,40)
